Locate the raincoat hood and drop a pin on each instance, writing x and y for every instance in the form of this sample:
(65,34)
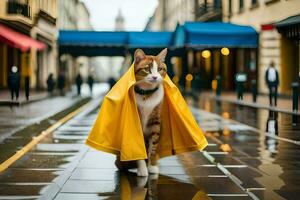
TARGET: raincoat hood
(117,128)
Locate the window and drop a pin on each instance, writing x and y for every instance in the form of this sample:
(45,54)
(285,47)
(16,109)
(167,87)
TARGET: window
(254,2)
(217,4)
(241,5)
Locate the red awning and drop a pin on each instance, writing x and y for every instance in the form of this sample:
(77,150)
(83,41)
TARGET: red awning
(19,40)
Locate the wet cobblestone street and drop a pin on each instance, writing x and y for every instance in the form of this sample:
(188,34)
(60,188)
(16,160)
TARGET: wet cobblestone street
(240,162)
(149,100)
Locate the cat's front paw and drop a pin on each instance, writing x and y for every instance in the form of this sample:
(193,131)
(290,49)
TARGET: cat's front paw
(142,171)
(153,169)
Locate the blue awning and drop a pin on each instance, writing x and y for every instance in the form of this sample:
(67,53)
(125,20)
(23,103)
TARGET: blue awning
(150,39)
(179,36)
(191,34)
(92,43)
(93,38)
(218,34)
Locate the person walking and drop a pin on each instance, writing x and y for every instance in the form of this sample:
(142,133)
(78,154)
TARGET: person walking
(78,83)
(272,81)
(50,84)
(240,79)
(14,82)
(61,82)
(90,82)
(27,73)
(27,87)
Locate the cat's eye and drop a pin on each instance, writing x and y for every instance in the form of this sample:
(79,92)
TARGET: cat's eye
(160,68)
(147,68)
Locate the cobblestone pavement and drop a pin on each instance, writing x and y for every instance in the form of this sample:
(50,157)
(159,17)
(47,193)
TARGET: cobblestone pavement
(13,119)
(241,162)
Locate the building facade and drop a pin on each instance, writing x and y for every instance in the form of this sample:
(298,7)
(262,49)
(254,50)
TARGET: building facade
(155,22)
(170,12)
(208,10)
(273,46)
(73,15)
(36,19)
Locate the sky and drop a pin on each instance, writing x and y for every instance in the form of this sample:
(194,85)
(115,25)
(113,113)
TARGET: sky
(136,13)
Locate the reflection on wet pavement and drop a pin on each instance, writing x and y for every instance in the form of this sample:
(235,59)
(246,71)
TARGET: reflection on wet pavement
(62,167)
(267,144)
(13,119)
(241,162)
(97,178)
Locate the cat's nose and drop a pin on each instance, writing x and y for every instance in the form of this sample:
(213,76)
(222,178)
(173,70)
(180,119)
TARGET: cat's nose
(154,77)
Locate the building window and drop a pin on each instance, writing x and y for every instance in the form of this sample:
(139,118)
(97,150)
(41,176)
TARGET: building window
(19,7)
(217,4)
(254,2)
(241,6)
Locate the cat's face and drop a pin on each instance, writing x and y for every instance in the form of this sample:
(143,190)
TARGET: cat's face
(149,70)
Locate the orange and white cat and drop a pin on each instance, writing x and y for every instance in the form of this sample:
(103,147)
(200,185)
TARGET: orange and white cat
(149,92)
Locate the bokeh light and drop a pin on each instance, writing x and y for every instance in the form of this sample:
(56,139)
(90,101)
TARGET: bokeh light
(206,54)
(189,77)
(225,51)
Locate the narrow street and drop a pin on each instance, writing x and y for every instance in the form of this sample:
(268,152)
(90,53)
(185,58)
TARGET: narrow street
(242,161)
(236,64)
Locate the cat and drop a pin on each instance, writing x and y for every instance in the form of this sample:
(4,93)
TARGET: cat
(149,93)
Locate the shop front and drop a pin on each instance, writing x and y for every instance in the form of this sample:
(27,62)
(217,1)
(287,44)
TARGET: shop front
(16,50)
(218,49)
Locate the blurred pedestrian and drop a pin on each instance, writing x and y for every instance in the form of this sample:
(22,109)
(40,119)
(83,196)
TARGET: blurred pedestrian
(90,82)
(61,82)
(272,81)
(240,79)
(50,84)
(78,83)
(27,87)
(27,73)
(14,82)
(240,89)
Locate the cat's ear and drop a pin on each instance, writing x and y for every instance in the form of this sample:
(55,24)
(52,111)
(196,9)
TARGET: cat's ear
(139,55)
(162,55)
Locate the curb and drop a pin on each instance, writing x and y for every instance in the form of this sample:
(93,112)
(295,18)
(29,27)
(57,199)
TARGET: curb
(23,102)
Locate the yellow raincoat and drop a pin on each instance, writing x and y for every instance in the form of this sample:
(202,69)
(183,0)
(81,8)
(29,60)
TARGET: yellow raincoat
(118,130)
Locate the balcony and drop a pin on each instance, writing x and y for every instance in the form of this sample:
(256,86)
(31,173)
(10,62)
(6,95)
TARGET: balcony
(18,8)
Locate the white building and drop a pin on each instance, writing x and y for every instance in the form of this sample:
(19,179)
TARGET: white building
(170,12)
(73,15)
(262,14)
